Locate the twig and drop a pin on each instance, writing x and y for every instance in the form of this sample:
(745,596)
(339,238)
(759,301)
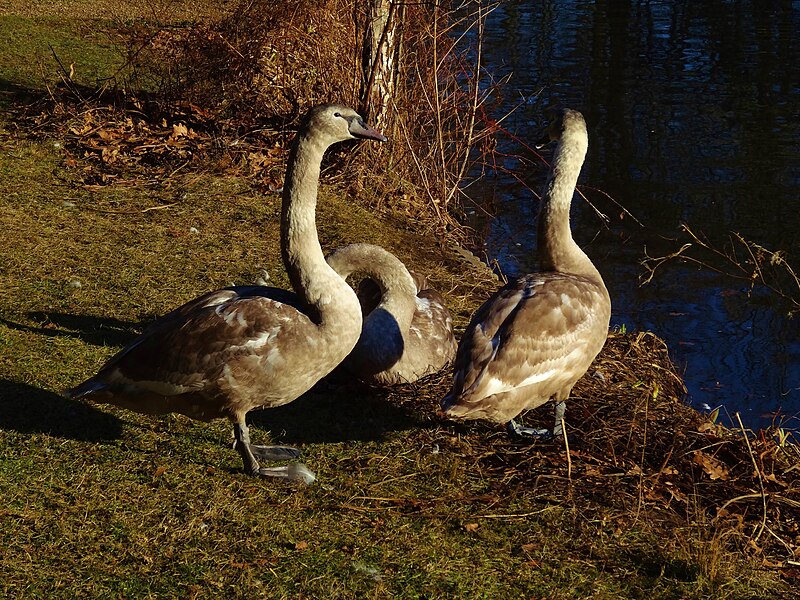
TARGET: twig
(566,446)
(760,480)
(654,395)
(751,269)
(132,212)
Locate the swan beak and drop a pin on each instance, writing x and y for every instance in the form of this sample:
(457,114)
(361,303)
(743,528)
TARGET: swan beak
(543,139)
(359,129)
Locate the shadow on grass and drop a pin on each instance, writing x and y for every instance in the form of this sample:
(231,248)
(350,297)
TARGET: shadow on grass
(331,412)
(336,413)
(97,331)
(12,94)
(28,409)
(655,565)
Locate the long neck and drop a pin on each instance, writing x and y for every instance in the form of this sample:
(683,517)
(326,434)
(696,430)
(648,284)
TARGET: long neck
(557,250)
(311,277)
(397,287)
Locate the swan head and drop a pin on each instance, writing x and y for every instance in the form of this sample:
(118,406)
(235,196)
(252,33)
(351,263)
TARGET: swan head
(340,123)
(560,120)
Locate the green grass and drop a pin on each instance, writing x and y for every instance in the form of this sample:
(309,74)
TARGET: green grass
(100,502)
(33,51)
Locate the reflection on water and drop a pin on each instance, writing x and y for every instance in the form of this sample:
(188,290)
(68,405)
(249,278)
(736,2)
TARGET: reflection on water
(692,112)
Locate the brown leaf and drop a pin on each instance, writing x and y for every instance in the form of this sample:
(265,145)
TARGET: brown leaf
(301,545)
(634,470)
(179,129)
(471,527)
(159,471)
(712,466)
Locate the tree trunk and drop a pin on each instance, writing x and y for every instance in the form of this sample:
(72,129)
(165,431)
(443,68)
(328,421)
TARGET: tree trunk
(379,59)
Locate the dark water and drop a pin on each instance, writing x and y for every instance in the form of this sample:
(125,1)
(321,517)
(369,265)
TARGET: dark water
(693,111)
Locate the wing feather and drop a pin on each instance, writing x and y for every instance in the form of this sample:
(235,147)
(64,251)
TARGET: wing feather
(530,331)
(176,351)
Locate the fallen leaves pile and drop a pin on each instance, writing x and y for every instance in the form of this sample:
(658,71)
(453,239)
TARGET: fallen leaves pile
(122,140)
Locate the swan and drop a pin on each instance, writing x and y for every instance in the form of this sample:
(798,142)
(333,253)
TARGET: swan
(535,337)
(407,331)
(240,348)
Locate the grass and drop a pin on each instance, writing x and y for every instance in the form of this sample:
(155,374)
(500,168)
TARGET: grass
(101,502)
(33,47)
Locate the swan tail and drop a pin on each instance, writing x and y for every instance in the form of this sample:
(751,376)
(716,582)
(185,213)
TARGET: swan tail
(87,388)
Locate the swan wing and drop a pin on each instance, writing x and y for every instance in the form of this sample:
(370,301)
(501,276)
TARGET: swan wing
(536,331)
(188,347)
(432,328)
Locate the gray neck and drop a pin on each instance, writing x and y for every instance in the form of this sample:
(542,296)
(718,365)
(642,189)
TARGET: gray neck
(311,277)
(557,250)
(398,290)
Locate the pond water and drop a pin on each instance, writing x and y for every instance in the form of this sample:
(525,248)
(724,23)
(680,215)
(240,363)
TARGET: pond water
(692,109)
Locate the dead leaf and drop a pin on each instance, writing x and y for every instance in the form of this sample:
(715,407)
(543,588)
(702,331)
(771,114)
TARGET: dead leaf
(634,470)
(677,494)
(471,527)
(159,471)
(179,129)
(712,466)
(301,545)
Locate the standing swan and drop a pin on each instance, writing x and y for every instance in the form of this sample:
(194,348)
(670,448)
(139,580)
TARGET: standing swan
(538,335)
(233,350)
(409,334)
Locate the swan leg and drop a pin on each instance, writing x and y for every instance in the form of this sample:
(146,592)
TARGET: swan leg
(515,430)
(558,428)
(249,452)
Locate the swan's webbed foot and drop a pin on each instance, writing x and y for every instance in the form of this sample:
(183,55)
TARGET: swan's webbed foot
(274,452)
(291,472)
(515,430)
(251,453)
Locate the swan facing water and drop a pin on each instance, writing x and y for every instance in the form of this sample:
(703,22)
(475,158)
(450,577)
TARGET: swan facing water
(237,349)
(535,337)
(407,331)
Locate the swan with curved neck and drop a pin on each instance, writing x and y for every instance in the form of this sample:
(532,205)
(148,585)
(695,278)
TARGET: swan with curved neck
(237,349)
(407,331)
(535,337)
